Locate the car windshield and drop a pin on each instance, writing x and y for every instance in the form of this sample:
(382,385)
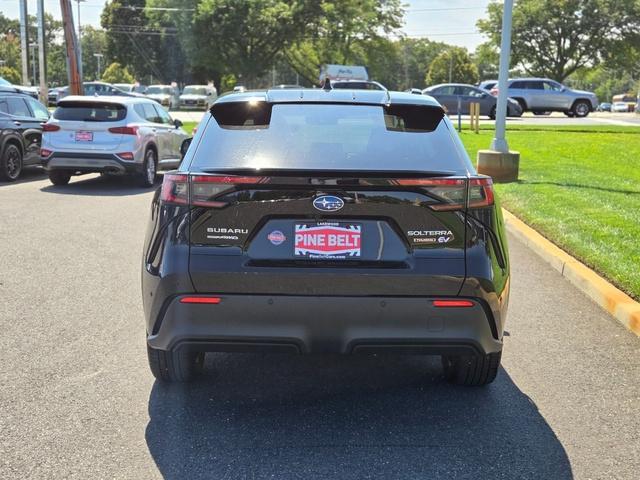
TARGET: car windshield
(90,112)
(123,86)
(159,90)
(195,91)
(330,137)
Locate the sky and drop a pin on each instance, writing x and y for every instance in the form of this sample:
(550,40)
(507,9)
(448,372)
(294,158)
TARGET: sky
(450,21)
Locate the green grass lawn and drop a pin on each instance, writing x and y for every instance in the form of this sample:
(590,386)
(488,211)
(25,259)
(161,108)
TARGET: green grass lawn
(580,187)
(189,126)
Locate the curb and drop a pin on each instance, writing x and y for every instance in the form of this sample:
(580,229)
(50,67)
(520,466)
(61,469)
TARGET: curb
(624,308)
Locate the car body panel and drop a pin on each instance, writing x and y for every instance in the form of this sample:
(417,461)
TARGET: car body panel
(543,94)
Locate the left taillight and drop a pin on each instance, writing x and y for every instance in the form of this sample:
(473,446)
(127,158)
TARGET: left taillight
(175,189)
(128,130)
(50,127)
(205,188)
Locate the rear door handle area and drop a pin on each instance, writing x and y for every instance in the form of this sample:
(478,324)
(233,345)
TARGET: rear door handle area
(17,123)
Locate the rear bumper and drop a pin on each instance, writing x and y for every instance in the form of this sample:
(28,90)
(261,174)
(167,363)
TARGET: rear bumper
(88,162)
(306,324)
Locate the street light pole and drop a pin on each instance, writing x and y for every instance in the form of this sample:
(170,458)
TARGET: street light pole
(499,142)
(33,46)
(499,162)
(80,42)
(99,58)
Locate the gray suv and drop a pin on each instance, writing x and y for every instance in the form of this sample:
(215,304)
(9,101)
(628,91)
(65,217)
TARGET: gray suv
(543,95)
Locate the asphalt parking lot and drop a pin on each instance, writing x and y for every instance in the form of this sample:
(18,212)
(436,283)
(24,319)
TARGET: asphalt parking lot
(77,399)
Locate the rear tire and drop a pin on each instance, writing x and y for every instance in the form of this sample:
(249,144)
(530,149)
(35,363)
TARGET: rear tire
(471,370)
(492,113)
(175,366)
(10,163)
(59,178)
(147,177)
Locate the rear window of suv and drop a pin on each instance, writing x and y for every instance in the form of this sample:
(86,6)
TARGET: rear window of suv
(328,137)
(90,112)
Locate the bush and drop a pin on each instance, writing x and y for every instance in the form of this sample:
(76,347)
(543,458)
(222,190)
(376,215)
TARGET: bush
(116,73)
(10,75)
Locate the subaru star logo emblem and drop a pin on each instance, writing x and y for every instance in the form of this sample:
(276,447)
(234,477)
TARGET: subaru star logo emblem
(328,203)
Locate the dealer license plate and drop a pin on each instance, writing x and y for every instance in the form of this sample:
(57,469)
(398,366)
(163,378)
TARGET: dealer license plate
(328,240)
(82,136)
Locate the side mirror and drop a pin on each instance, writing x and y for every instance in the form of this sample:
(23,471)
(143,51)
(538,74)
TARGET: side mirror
(177,123)
(184,147)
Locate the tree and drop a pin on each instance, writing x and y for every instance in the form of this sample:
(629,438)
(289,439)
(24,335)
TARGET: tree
(129,38)
(487,59)
(10,74)
(94,41)
(244,37)
(452,65)
(116,73)
(555,38)
(345,32)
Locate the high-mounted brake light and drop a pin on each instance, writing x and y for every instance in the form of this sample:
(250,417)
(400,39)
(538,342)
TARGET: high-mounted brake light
(50,127)
(128,130)
(453,303)
(175,189)
(201,300)
(480,192)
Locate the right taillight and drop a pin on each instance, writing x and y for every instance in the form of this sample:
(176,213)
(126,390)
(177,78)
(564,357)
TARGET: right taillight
(448,192)
(128,130)
(480,192)
(175,189)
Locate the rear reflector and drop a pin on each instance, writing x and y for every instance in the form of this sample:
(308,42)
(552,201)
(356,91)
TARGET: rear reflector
(125,155)
(128,130)
(44,153)
(50,127)
(453,303)
(205,300)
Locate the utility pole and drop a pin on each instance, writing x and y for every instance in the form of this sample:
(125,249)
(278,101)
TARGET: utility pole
(24,42)
(498,161)
(71,44)
(450,65)
(42,63)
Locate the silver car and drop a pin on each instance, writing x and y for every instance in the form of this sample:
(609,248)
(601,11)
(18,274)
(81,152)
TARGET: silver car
(198,97)
(545,95)
(166,95)
(113,135)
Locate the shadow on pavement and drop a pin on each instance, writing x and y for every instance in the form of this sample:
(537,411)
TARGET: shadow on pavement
(343,417)
(101,186)
(29,174)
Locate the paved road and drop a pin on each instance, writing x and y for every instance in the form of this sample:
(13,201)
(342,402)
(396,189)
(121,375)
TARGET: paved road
(77,401)
(555,119)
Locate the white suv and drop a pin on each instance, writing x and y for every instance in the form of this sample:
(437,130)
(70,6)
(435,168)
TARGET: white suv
(115,135)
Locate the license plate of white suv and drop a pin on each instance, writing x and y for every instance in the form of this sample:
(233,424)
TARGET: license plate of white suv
(328,240)
(83,136)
